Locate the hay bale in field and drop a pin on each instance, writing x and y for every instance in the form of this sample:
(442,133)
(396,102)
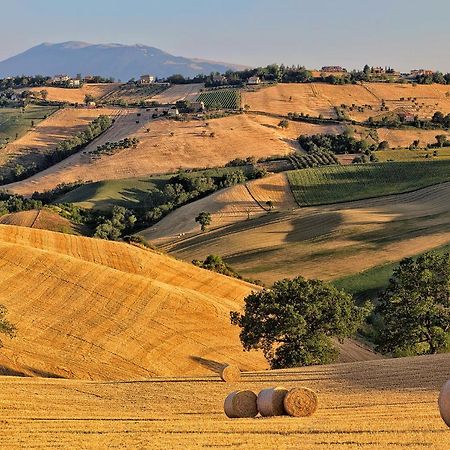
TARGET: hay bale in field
(230,373)
(270,401)
(300,402)
(240,404)
(444,403)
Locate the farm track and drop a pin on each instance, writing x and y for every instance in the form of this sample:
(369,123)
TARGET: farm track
(376,404)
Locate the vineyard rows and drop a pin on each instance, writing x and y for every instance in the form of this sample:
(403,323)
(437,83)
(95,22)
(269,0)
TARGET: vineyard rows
(332,184)
(313,160)
(221,99)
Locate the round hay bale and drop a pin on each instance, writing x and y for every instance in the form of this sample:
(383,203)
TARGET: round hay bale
(300,402)
(444,403)
(240,404)
(270,401)
(230,374)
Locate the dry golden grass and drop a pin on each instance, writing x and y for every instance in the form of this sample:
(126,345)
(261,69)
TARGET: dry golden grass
(226,206)
(379,404)
(76,95)
(160,152)
(61,125)
(328,242)
(87,308)
(43,219)
(321,98)
(177,92)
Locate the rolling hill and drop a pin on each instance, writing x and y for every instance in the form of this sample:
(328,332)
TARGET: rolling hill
(376,404)
(122,62)
(326,242)
(87,308)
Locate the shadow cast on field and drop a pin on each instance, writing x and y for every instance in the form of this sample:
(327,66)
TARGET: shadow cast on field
(214,366)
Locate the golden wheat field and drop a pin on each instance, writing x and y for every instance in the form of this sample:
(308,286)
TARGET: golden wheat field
(376,404)
(76,95)
(227,206)
(44,219)
(87,308)
(168,146)
(326,242)
(364,99)
(61,125)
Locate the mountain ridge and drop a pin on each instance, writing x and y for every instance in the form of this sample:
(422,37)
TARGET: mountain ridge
(120,61)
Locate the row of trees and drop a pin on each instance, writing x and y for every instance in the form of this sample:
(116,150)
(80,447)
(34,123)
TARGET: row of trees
(23,169)
(293,323)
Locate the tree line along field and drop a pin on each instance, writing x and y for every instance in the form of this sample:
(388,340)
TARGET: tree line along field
(221,99)
(15,122)
(331,184)
(377,404)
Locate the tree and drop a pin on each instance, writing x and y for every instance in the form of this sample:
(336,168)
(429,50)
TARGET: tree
(6,327)
(269,204)
(44,94)
(415,308)
(88,98)
(204,219)
(293,322)
(441,139)
(283,123)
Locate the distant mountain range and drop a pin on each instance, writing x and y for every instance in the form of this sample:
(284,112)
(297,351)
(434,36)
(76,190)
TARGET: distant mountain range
(109,60)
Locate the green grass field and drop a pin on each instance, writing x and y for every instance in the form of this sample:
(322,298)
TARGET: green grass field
(370,282)
(15,123)
(221,99)
(405,154)
(334,184)
(128,192)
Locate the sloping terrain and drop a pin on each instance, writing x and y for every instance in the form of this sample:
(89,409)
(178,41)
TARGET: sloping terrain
(86,308)
(76,95)
(169,145)
(377,404)
(227,206)
(362,100)
(328,242)
(60,126)
(43,219)
(178,92)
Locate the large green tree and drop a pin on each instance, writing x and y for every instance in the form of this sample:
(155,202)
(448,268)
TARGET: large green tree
(415,308)
(293,322)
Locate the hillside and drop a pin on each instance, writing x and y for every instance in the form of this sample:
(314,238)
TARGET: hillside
(95,309)
(361,101)
(43,219)
(76,95)
(122,62)
(170,145)
(378,404)
(330,241)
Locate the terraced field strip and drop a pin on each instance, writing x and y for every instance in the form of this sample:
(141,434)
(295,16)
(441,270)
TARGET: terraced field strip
(376,404)
(221,99)
(333,184)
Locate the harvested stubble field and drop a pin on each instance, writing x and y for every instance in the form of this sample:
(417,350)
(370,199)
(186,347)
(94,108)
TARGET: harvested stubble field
(414,155)
(160,151)
(177,92)
(321,98)
(328,242)
(378,404)
(60,126)
(228,206)
(94,309)
(43,219)
(131,93)
(76,95)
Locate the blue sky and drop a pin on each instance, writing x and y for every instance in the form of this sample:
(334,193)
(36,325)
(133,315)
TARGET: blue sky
(404,34)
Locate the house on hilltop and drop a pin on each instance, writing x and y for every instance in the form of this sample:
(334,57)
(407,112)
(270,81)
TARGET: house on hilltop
(254,80)
(146,79)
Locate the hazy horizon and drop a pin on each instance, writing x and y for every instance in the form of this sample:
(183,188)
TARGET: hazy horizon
(405,34)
